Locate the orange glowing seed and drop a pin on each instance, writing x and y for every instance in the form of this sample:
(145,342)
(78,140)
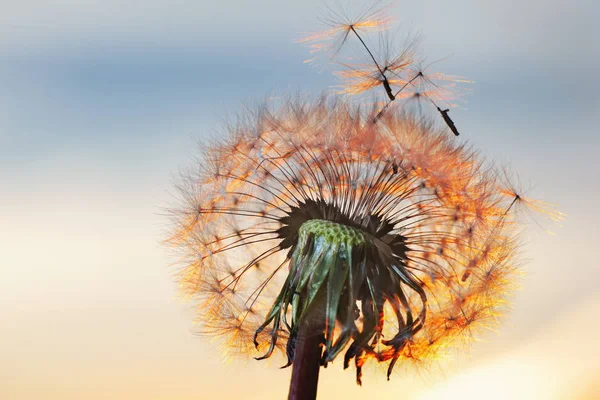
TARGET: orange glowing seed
(340,27)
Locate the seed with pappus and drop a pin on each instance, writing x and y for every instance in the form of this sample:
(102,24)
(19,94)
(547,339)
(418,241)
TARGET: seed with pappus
(396,239)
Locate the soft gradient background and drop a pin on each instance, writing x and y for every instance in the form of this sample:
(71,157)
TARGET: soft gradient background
(102,101)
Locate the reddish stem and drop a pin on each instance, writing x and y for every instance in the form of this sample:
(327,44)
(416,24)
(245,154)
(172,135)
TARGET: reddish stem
(307,361)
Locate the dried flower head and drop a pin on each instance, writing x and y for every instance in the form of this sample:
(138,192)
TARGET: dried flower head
(400,239)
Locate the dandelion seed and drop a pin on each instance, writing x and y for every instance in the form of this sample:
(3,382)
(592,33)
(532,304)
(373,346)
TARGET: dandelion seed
(513,190)
(448,121)
(342,24)
(388,72)
(392,237)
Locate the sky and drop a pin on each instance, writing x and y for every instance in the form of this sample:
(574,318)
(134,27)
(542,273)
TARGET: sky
(103,102)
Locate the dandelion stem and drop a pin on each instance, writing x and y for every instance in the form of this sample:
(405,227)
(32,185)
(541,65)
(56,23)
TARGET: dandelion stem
(307,358)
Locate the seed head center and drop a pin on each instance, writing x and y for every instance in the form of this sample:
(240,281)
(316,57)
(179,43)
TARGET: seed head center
(332,232)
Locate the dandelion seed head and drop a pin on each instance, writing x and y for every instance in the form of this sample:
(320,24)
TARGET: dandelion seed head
(403,234)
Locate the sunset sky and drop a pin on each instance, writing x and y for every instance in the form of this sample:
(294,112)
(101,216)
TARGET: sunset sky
(102,102)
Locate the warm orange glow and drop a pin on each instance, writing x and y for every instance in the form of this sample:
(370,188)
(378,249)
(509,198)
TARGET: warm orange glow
(342,26)
(464,251)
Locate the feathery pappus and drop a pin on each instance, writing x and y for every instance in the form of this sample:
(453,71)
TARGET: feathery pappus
(403,240)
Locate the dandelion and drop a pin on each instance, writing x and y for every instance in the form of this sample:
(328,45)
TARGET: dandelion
(386,243)
(323,231)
